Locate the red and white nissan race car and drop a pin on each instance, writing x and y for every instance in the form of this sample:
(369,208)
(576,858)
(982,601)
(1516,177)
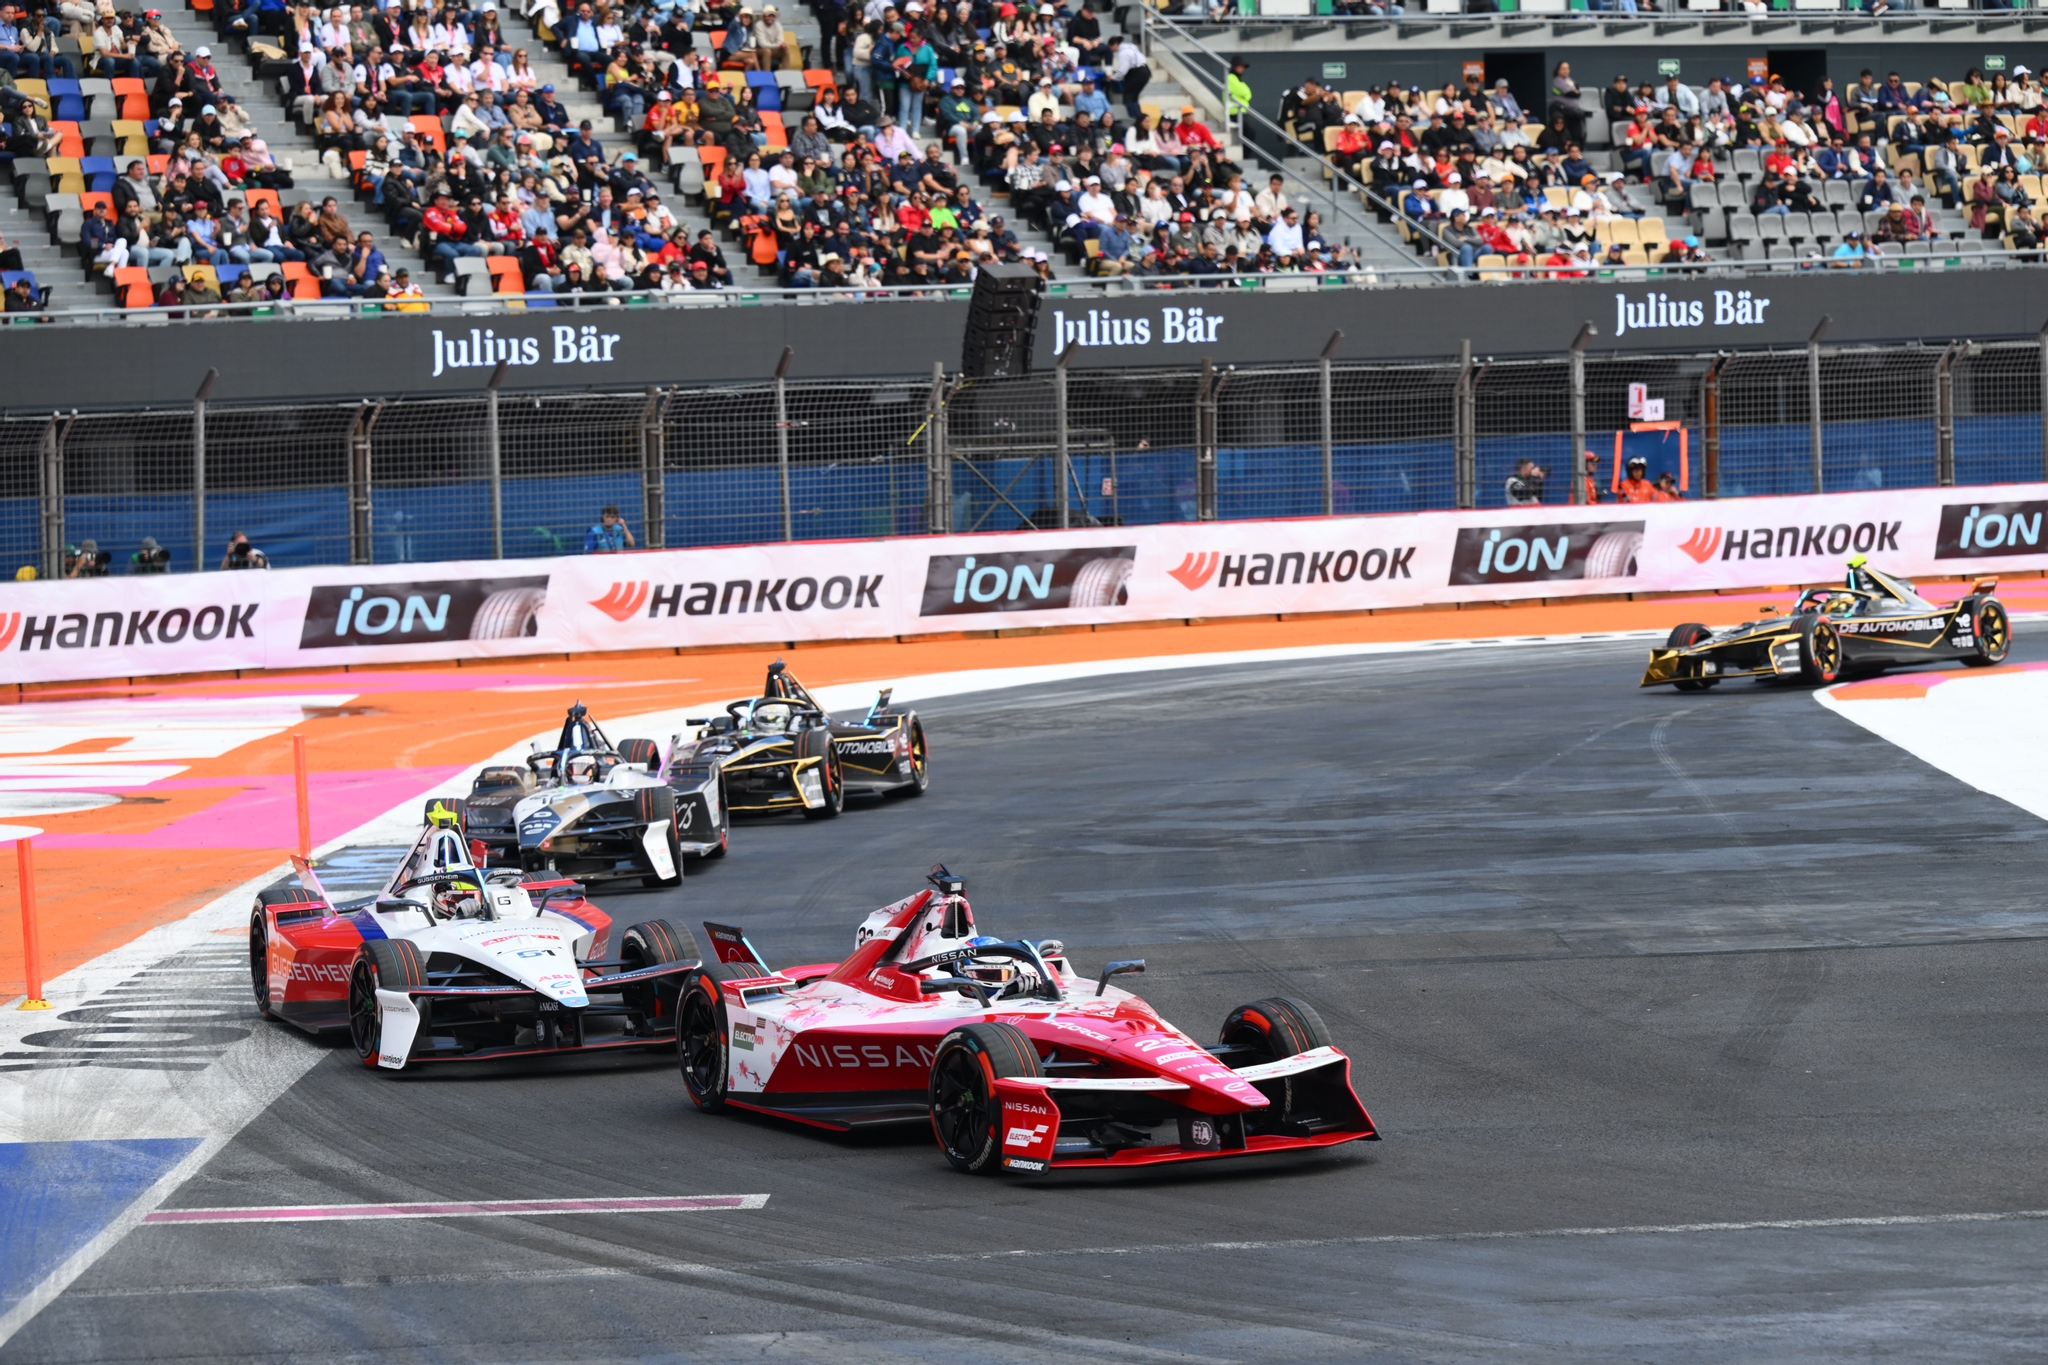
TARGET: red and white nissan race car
(1018,1064)
(453,962)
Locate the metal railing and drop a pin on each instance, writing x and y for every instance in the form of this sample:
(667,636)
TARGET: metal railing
(1850,15)
(417,480)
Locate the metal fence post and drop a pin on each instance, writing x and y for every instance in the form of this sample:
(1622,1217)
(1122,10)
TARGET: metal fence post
(653,469)
(1063,457)
(782,438)
(1328,425)
(1813,397)
(938,462)
(497,463)
(1710,426)
(1578,359)
(1205,442)
(51,479)
(362,548)
(2044,400)
(199,469)
(1945,414)
(1464,423)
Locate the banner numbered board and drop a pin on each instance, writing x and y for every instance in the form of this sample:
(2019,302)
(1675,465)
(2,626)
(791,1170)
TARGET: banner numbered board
(758,594)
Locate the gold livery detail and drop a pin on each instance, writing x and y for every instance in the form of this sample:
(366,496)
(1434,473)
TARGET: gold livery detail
(782,751)
(1876,620)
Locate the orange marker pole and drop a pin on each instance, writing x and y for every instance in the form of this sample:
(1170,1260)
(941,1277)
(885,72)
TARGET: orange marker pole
(31,947)
(305,805)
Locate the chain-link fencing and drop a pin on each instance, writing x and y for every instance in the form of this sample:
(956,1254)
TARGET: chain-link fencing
(419,480)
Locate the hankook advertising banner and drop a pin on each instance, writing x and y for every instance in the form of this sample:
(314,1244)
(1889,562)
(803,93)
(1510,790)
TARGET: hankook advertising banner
(826,590)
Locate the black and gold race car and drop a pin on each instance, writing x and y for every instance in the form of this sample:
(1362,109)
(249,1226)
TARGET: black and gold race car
(1875,621)
(782,751)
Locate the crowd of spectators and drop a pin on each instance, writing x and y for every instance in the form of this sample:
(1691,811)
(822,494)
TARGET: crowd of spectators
(1478,174)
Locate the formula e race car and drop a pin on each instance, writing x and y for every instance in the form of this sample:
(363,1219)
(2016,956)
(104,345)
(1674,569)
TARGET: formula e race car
(1017,1063)
(591,810)
(782,751)
(451,961)
(1875,621)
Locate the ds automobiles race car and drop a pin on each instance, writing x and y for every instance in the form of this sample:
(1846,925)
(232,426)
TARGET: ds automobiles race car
(782,751)
(451,961)
(1876,620)
(590,810)
(1017,1063)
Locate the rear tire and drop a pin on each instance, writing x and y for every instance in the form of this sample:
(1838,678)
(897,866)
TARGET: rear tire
(1683,637)
(259,939)
(1820,652)
(1993,634)
(389,964)
(640,753)
(966,1115)
(701,1039)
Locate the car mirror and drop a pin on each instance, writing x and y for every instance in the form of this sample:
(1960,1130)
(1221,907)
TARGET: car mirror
(1125,968)
(949,983)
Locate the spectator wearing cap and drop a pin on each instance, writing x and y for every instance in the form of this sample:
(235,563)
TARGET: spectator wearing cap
(1504,105)
(1113,243)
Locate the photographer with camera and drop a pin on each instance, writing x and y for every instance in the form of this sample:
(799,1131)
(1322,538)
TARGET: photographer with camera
(85,560)
(151,558)
(242,555)
(1525,485)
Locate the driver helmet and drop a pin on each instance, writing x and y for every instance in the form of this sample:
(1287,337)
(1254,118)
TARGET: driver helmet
(772,715)
(459,899)
(581,769)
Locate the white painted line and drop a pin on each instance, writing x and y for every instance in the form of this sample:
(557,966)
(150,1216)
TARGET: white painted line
(492,1208)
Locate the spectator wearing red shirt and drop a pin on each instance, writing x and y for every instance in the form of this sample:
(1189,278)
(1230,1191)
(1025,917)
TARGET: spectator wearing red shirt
(445,223)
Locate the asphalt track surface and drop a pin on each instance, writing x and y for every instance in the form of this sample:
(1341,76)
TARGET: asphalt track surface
(1605,960)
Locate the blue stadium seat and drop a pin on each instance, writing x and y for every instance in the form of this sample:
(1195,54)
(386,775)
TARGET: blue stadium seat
(8,277)
(58,85)
(229,273)
(68,108)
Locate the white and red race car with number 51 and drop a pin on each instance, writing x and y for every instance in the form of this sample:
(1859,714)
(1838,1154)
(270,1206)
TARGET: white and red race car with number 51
(455,962)
(1018,1065)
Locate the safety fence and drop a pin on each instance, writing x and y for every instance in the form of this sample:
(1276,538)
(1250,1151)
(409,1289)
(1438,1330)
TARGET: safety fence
(522,476)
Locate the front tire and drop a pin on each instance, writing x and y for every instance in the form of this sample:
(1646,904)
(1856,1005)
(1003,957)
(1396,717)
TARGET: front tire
(390,964)
(1684,637)
(834,781)
(920,758)
(1820,652)
(966,1115)
(651,944)
(1276,1027)
(1993,634)
(675,860)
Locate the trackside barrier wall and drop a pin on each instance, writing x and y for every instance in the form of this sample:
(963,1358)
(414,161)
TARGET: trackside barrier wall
(863,455)
(907,586)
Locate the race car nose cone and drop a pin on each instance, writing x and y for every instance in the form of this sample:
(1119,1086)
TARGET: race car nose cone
(563,987)
(1193,1066)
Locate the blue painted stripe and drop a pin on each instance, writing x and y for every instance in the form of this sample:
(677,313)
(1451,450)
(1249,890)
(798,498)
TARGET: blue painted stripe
(57,1196)
(573,919)
(366,925)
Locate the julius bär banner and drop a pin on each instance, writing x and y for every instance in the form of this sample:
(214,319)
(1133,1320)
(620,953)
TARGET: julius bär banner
(835,590)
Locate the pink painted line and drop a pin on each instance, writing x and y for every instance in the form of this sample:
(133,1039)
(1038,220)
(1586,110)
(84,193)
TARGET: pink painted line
(264,812)
(497,1208)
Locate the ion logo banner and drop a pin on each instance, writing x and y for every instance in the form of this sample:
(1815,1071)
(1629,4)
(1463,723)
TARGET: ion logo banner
(1542,554)
(340,615)
(1094,577)
(1978,530)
